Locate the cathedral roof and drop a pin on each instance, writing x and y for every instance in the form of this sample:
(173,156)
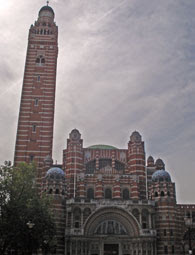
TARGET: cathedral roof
(46,8)
(102,147)
(55,172)
(161,175)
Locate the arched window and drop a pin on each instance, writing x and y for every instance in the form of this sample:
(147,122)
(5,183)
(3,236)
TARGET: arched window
(145,219)
(135,213)
(108,193)
(40,60)
(77,217)
(57,191)
(86,214)
(50,191)
(162,194)
(31,158)
(90,193)
(156,194)
(188,214)
(126,194)
(90,167)
(36,101)
(33,128)
(168,194)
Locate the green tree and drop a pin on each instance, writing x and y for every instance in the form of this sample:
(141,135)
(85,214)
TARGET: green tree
(26,223)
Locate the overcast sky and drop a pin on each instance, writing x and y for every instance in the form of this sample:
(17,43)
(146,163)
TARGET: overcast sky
(123,65)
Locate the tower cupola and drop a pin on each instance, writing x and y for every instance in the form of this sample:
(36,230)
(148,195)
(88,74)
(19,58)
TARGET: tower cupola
(150,161)
(135,137)
(159,164)
(46,12)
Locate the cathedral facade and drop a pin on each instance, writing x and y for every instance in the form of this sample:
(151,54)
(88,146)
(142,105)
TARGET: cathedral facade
(105,200)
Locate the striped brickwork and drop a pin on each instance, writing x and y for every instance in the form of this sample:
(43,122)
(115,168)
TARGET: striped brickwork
(73,163)
(167,217)
(136,164)
(36,116)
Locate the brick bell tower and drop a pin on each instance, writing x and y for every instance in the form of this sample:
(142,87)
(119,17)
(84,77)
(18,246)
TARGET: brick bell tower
(34,138)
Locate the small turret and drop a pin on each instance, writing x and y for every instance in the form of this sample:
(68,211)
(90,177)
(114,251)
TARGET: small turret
(135,137)
(136,164)
(150,161)
(159,164)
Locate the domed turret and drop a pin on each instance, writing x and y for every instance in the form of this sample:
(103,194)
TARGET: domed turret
(159,164)
(161,176)
(55,173)
(46,8)
(135,137)
(150,161)
(75,135)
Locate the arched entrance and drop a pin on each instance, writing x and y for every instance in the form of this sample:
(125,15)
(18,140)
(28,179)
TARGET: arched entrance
(116,231)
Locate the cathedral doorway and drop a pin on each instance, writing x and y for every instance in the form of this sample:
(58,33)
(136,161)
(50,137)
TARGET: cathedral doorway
(111,249)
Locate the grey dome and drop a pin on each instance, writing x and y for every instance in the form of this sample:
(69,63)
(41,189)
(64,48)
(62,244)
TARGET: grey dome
(160,176)
(46,8)
(55,173)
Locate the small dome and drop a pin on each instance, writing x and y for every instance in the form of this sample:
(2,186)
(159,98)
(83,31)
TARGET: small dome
(47,8)
(159,164)
(55,173)
(135,137)
(160,176)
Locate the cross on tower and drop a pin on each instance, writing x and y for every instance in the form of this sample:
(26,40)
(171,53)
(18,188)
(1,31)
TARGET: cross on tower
(47,3)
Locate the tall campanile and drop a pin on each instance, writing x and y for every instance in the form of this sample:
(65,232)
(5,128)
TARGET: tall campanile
(36,117)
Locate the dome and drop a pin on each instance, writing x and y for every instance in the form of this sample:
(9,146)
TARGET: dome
(46,8)
(102,147)
(55,172)
(160,176)
(135,137)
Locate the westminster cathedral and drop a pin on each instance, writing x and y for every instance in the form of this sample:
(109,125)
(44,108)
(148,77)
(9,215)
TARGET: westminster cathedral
(106,200)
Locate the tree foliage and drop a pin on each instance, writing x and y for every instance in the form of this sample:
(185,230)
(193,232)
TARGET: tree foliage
(20,204)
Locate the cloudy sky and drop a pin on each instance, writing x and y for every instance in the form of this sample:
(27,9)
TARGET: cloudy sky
(123,65)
